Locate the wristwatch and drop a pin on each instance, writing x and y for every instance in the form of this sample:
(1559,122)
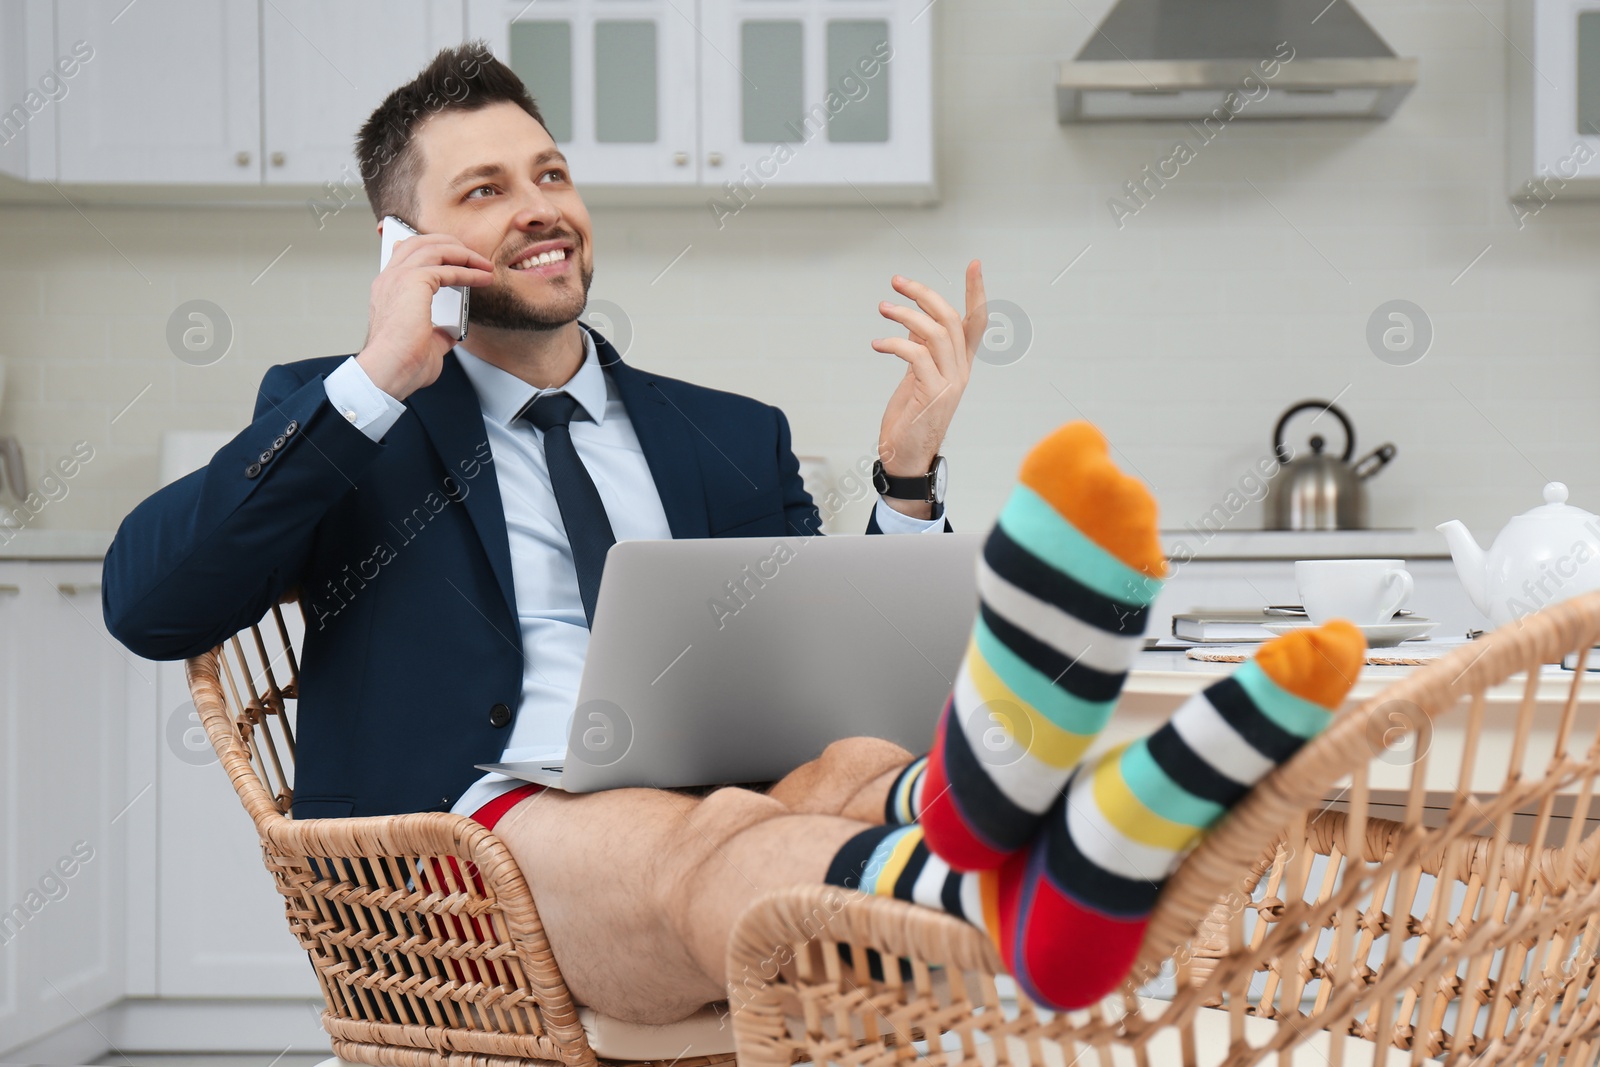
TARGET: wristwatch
(929,487)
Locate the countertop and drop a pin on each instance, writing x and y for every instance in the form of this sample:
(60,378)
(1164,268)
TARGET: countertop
(1200,543)
(1193,543)
(28,544)
(1171,676)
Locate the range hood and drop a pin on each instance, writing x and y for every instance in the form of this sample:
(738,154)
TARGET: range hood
(1279,59)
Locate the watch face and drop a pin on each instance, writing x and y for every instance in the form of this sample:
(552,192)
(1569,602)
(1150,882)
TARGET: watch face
(941,474)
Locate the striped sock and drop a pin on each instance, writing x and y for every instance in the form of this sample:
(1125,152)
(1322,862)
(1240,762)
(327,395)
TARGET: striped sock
(1069,912)
(895,861)
(1072,908)
(1064,581)
(904,802)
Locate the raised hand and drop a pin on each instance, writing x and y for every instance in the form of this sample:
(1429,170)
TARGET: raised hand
(938,351)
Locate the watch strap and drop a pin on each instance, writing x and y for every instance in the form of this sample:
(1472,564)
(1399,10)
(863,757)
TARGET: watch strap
(905,487)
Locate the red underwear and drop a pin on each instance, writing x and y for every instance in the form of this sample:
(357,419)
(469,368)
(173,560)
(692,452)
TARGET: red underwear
(488,815)
(493,811)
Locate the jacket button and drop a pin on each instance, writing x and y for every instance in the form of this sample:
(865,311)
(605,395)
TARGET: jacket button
(278,442)
(252,470)
(266,455)
(294,424)
(499,715)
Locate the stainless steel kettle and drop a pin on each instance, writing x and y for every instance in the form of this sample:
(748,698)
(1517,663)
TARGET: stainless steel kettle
(1321,491)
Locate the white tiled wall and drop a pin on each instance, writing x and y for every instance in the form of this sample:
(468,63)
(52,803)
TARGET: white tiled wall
(1243,286)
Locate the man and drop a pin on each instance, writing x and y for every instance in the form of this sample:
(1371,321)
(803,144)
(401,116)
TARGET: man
(443,510)
(399,492)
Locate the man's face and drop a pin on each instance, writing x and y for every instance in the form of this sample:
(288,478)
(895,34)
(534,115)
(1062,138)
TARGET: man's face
(495,180)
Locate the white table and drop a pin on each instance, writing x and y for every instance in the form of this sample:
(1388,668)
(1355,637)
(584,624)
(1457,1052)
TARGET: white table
(1160,681)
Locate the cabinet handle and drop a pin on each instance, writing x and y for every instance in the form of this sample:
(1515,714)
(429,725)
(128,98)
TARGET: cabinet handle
(681,158)
(242,158)
(74,588)
(7,587)
(277,159)
(715,159)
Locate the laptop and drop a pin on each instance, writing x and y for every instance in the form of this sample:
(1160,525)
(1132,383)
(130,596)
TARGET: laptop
(735,659)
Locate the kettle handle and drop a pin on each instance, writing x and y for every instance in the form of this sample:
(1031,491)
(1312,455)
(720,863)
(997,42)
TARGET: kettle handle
(1373,461)
(1282,452)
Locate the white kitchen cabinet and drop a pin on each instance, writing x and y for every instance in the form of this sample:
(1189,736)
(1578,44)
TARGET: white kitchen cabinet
(615,81)
(721,100)
(817,92)
(65,793)
(730,96)
(30,87)
(327,65)
(232,92)
(172,93)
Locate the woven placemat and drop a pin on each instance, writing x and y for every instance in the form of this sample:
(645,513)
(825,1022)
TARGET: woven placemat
(1405,654)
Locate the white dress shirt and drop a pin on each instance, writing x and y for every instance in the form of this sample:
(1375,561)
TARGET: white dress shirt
(555,631)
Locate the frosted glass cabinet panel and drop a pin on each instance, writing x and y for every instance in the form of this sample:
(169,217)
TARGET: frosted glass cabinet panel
(772,100)
(615,80)
(816,92)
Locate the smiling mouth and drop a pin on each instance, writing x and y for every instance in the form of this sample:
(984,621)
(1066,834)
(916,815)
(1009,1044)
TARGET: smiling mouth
(552,258)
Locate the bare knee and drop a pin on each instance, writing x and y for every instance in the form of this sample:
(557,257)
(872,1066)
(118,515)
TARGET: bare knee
(867,755)
(731,810)
(829,784)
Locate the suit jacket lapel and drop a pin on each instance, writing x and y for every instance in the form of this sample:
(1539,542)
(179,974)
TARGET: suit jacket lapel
(667,437)
(453,419)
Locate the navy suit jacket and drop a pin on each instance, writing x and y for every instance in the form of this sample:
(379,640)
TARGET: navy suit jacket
(412,663)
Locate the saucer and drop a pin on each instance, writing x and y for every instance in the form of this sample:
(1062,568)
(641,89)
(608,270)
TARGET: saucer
(1378,635)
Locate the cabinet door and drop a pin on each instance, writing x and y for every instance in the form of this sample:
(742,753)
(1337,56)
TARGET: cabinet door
(30,87)
(171,95)
(63,683)
(221,923)
(614,79)
(327,64)
(817,92)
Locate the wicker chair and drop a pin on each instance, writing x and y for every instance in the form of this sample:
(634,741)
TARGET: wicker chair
(1396,925)
(421,929)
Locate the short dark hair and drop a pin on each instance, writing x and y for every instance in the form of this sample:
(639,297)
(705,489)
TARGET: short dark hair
(464,78)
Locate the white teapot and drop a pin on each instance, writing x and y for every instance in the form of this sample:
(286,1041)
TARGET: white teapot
(1544,555)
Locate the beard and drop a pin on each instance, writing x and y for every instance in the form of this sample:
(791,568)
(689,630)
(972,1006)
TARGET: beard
(499,306)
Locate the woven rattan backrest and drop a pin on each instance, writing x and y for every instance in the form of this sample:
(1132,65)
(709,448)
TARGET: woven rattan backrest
(420,927)
(257,674)
(1463,797)
(1447,900)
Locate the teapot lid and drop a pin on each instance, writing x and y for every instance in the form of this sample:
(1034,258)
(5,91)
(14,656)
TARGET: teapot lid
(1555,505)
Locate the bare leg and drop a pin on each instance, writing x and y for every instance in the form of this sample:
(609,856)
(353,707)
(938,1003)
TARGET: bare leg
(639,889)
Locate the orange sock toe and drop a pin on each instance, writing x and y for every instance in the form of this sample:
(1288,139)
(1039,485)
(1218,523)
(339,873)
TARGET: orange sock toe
(1319,664)
(1072,469)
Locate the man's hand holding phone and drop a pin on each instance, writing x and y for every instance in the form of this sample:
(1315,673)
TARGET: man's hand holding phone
(404,350)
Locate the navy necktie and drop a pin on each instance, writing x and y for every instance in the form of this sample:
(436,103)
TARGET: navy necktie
(582,512)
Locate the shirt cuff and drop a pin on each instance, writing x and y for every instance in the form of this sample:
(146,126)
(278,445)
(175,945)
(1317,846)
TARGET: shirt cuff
(891,521)
(365,406)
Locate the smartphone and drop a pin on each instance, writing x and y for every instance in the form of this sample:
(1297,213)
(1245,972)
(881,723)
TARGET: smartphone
(450,302)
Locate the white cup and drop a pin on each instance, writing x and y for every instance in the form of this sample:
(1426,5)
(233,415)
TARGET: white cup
(1364,591)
